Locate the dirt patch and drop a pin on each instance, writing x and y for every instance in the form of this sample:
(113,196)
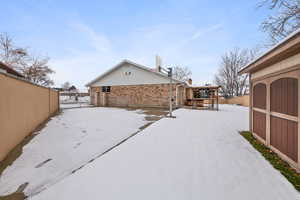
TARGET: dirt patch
(151,111)
(153,118)
(18,195)
(155,112)
(14,196)
(152,114)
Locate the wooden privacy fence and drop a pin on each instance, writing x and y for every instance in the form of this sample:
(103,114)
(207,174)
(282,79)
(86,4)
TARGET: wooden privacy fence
(240,100)
(23,107)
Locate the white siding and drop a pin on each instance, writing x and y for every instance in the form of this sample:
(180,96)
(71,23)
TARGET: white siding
(137,76)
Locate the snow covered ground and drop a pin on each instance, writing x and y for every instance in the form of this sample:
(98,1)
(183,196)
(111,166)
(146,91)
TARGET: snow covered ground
(70,102)
(74,105)
(69,141)
(198,155)
(71,99)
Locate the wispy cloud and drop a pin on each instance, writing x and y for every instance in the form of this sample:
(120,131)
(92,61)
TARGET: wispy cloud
(197,35)
(177,44)
(96,40)
(204,32)
(84,39)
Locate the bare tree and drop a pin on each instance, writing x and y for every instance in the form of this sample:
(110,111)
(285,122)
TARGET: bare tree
(38,71)
(10,54)
(182,73)
(35,69)
(285,20)
(232,84)
(66,85)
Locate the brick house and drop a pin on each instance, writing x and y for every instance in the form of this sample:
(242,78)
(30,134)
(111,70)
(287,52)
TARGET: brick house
(129,84)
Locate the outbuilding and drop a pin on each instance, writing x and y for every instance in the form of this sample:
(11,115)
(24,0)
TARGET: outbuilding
(274,98)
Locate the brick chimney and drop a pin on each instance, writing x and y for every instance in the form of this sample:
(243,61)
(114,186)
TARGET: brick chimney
(190,81)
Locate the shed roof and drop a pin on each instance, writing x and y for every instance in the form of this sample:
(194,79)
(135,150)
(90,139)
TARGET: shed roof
(133,64)
(288,47)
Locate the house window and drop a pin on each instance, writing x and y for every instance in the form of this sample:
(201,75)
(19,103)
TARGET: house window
(105,88)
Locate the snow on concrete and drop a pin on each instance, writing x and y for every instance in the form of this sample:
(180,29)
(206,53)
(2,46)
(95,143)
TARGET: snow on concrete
(74,105)
(70,102)
(72,99)
(67,142)
(198,155)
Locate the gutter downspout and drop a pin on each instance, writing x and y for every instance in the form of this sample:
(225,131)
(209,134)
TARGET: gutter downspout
(177,86)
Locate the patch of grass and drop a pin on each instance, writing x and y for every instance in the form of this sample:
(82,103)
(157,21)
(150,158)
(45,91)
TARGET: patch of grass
(288,172)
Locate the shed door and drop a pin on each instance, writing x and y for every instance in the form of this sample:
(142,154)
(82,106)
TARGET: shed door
(284,113)
(259,114)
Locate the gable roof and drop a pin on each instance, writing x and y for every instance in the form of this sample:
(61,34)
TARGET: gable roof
(287,47)
(119,65)
(10,70)
(72,88)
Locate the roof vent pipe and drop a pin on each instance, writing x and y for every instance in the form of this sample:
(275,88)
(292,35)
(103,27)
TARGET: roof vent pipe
(158,63)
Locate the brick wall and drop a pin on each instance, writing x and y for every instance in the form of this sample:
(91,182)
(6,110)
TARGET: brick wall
(154,95)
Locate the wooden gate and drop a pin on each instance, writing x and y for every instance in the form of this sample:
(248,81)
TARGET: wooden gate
(283,116)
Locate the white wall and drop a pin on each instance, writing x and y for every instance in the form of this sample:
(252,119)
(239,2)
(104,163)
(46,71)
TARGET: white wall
(137,76)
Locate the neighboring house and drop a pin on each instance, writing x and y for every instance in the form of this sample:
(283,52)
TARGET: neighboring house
(9,70)
(129,84)
(274,98)
(58,89)
(72,89)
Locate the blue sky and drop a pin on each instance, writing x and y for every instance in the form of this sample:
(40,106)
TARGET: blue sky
(85,38)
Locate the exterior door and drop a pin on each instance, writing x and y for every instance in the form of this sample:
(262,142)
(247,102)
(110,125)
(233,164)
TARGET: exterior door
(259,110)
(97,99)
(284,116)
